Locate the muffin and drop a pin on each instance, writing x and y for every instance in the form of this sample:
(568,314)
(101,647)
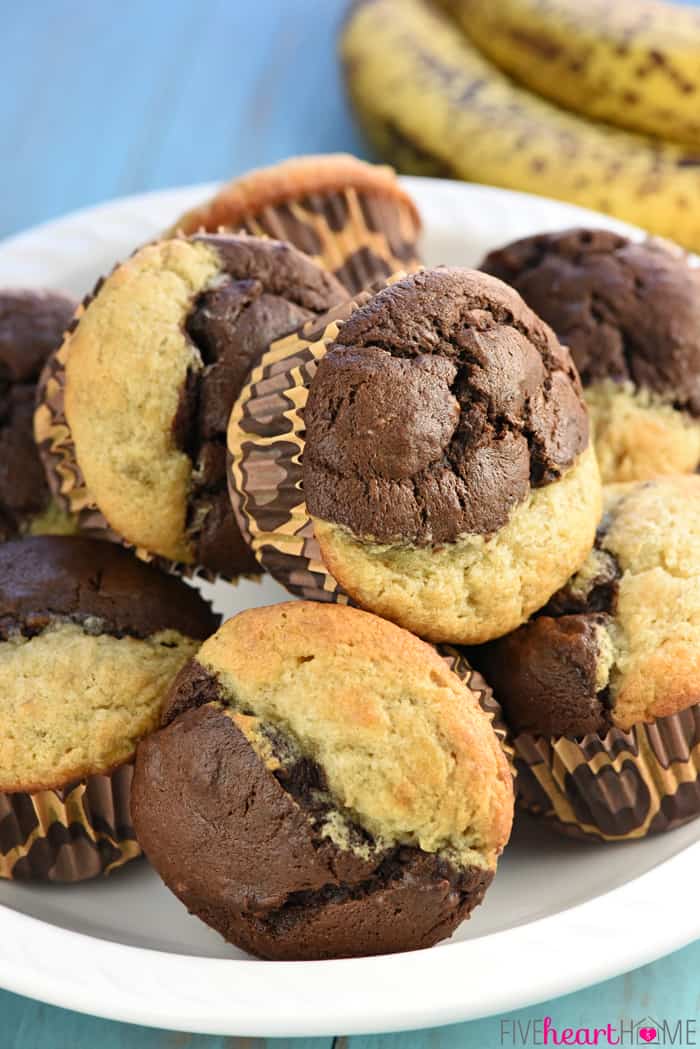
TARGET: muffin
(353,218)
(322,786)
(167,339)
(90,640)
(602,689)
(447,467)
(32,324)
(630,314)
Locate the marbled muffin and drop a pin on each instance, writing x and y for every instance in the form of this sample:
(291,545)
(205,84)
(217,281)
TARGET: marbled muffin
(602,689)
(323,786)
(630,314)
(620,643)
(32,324)
(353,218)
(154,364)
(447,466)
(90,641)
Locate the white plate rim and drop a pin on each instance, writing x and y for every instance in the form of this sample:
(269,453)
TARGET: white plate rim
(587,943)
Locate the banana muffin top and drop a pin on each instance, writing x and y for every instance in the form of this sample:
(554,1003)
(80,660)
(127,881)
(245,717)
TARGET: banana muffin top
(167,340)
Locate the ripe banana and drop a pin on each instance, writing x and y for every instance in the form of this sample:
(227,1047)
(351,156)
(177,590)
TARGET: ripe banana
(635,63)
(431,103)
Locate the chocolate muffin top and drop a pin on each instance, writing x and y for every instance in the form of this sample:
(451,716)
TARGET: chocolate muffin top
(44,578)
(618,644)
(442,403)
(32,324)
(629,312)
(90,640)
(168,339)
(323,785)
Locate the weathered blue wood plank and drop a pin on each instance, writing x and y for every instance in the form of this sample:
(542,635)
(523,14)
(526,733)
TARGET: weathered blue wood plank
(99,100)
(667,990)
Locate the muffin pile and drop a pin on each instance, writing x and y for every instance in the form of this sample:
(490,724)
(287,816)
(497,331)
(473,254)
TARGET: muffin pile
(276,386)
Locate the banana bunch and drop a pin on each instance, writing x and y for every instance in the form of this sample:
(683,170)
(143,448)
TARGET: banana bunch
(433,104)
(635,63)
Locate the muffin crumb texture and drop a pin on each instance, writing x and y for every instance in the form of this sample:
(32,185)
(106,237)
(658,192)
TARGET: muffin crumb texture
(32,324)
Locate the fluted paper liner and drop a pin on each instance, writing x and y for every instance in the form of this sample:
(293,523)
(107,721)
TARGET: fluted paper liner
(66,480)
(617,787)
(68,834)
(265,447)
(351,217)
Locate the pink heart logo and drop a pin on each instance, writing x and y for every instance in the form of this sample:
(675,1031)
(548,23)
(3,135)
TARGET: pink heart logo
(647,1033)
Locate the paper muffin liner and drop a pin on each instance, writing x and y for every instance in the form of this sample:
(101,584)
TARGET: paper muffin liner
(264,463)
(68,834)
(65,478)
(351,217)
(617,787)
(460,665)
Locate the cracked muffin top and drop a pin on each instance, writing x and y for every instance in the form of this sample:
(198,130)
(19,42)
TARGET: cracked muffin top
(619,644)
(323,784)
(443,402)
(167,339)
(630,313)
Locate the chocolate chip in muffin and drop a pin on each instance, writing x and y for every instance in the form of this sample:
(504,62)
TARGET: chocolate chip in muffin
(32,324)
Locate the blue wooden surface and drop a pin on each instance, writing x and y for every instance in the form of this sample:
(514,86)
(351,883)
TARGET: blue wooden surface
(99,99)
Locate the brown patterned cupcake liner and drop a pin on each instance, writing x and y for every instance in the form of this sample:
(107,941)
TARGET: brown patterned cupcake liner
(351,217)
(68,834)
(617,787)
(460,665)
(66,480)
(265,447)
(264,463)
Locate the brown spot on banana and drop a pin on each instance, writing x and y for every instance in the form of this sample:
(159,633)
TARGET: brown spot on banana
(633,63)
(430,101)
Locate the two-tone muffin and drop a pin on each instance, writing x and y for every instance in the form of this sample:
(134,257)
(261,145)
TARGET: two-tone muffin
(447,467)
(32,323)
(602,689)
(630,314)
(353,218)
(90,641)
(323,786)
(151,370)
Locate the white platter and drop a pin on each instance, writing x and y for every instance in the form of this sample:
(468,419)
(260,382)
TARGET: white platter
(560,914)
